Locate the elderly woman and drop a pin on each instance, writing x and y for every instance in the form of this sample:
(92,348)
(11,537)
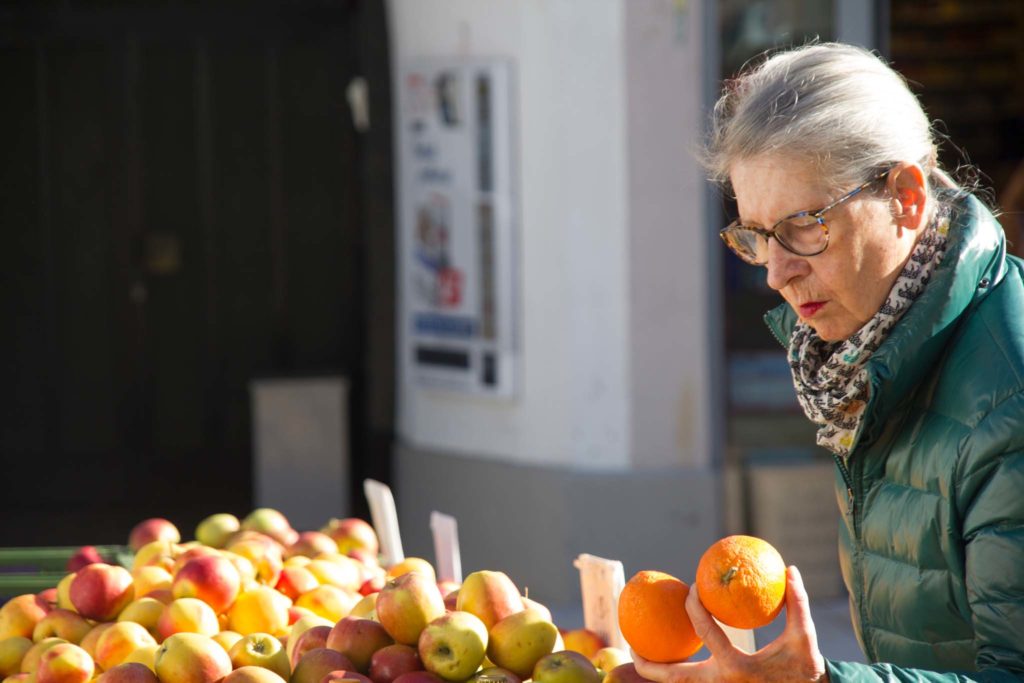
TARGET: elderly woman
(904,327)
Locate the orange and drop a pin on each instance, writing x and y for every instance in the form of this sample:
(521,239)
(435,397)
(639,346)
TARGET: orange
(653,619)
(741,580)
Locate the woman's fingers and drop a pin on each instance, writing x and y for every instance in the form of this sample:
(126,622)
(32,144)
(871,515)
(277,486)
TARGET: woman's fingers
(704,626)
(798,607)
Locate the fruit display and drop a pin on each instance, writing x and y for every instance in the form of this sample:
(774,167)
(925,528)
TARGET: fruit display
(253,600)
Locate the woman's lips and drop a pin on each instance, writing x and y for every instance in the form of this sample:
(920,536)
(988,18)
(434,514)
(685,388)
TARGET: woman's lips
(808,309)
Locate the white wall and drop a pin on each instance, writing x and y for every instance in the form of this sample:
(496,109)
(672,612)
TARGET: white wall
(612,269)
(671,363)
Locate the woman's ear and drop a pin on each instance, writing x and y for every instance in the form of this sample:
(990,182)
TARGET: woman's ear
(909,192)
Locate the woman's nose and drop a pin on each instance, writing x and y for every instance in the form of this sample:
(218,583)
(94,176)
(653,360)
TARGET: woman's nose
(783,265)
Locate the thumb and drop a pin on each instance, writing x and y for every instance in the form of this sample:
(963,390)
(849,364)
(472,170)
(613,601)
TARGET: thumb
(798,607)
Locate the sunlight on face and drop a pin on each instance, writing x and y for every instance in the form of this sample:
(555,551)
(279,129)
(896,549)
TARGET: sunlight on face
(839,290)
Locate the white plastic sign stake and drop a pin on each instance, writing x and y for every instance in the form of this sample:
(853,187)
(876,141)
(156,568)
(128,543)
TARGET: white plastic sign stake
(385,520)
(601,581)
(741,638)
(446,547)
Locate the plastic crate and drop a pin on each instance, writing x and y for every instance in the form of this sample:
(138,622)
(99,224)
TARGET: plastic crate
(30,570)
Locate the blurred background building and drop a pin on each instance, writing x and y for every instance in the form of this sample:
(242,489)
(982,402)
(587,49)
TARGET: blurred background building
(213,271)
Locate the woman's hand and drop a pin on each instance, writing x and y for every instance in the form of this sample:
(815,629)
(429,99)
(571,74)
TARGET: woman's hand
(793,656)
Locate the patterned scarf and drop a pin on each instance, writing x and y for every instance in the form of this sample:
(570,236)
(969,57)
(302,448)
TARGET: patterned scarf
(830,377)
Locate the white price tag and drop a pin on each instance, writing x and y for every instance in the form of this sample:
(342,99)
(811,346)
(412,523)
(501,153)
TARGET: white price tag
(601,581)
(385,520)
(446,547)
(741,638)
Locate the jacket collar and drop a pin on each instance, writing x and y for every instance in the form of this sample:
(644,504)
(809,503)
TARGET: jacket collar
(974,263)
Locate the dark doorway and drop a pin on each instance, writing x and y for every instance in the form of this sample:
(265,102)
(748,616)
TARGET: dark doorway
(186,205)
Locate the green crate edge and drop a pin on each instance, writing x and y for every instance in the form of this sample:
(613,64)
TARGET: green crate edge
(34,569)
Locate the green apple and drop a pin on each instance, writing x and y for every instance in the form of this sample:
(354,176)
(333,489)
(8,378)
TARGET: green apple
(453,645)
(566,666)
(358,639)
(407,604)
(494,674)
(215,530)
(261,649)
(489,595)
(519,640)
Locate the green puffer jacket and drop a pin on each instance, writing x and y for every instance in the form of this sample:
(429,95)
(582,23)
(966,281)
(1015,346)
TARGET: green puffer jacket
(931,539)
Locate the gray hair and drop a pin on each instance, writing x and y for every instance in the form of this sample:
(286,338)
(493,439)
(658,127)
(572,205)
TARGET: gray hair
(839,106)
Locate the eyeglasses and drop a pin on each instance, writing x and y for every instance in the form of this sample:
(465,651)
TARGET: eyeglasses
(804,233)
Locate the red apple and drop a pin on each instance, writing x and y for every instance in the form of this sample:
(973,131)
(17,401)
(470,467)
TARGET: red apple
(213,579)
(489,595)
(339,676)
(419,677)
(47,599)
(317,663)
(312,638)
(253,674)
(294,581)
(373,584)
(101,591)
(352,533)
(311,544)
(129,672)
(391,661)
(149,530)
(407,604)
(584,641)
(494,674)
(65,663)
(86,555)
(358,639)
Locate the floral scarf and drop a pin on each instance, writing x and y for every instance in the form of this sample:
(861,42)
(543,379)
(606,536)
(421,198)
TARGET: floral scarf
(830,377)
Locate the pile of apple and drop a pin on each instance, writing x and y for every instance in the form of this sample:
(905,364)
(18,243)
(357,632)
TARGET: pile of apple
(254,601)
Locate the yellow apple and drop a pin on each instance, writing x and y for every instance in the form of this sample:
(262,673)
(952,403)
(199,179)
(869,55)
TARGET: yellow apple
(261,609)
(12,651)
(145,612)
(19,616)
(188,615)
(191,658)
(119,641)
(30,662)
(62,623)
(518,641)
(262,650)
(65,663)
(453,645)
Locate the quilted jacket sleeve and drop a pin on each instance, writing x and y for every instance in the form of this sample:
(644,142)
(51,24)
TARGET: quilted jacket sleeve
(990,498)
